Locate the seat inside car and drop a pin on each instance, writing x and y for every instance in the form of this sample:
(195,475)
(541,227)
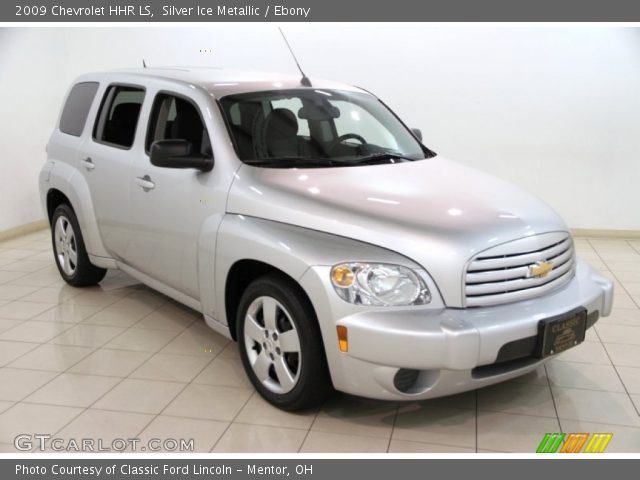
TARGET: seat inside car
(121,128)
(188,126)
(281,134)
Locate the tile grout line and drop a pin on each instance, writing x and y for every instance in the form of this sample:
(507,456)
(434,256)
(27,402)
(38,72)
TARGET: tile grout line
(22,401)
(615,368)
(121,380)
(507,412)
(311,425)
(55,376)
(57,305)
(393,426)
(637,303)
(553,398)
(60,374)
(634,427)
(343,434)
(582,388)
(232,421)
(186,385)
(61,333)
(100,347)
(633,298)
(604,346)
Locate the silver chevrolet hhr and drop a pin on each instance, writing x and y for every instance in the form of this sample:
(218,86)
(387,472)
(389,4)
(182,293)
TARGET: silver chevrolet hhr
(308,223)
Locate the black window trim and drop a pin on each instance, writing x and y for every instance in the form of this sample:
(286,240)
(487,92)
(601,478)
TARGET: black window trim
(151,124)
(228,128)
(108,96)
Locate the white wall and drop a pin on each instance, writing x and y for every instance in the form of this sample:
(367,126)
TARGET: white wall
(556,110)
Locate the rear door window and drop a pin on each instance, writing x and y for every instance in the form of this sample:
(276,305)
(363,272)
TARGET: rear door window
(76,109)
(119,114)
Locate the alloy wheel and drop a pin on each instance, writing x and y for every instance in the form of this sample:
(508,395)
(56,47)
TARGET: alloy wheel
(66,246)
(272,344)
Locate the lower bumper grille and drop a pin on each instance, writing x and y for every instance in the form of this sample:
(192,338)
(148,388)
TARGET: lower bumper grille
(518,354)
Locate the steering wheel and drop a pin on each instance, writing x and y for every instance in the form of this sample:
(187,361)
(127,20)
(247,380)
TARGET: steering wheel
(342,138)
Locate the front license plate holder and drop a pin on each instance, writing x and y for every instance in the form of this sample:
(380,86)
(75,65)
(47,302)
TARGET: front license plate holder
(559,333)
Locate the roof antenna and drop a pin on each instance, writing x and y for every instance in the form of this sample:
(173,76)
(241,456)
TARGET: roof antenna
(304,81)
(144,64)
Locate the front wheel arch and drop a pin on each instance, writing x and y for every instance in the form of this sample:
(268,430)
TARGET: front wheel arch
(240,276)
(266,356)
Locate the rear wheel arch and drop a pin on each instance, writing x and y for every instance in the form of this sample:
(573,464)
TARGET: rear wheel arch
(69,249)
(55,198)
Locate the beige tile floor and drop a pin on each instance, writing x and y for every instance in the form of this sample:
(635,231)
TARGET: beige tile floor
(120,361)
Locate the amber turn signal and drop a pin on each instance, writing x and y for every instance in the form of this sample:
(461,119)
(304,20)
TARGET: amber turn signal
(343,339)
(342,276)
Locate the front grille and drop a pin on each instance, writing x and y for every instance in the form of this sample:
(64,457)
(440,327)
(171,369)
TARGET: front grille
(502,274)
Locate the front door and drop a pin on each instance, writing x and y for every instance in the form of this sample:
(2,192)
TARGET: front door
(169,206)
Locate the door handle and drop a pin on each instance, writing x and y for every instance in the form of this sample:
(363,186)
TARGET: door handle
(88,163)
(145,183)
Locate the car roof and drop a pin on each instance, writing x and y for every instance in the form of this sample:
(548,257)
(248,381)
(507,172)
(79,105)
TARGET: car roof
(221,82)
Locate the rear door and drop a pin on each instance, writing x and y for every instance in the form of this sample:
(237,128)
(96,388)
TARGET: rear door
(106,162)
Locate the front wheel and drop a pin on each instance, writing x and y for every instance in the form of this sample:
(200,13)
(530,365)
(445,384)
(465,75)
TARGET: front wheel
(69,250)
(281,346)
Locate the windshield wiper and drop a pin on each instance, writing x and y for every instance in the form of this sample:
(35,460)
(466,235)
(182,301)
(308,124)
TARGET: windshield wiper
(382,157)
(288,162)
(306,162)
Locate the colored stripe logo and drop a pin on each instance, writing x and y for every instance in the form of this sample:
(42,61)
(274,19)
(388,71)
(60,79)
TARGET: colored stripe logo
(598,443)
(574,442)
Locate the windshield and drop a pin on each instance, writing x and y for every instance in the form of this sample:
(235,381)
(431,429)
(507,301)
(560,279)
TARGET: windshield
(317,128)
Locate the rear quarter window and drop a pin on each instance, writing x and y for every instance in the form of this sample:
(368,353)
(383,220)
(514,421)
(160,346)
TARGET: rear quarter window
(76,109)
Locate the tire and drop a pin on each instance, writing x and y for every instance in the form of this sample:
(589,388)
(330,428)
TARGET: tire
(69,251)
(290,374)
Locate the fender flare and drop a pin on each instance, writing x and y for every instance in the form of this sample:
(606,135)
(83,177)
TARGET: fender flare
(66,179)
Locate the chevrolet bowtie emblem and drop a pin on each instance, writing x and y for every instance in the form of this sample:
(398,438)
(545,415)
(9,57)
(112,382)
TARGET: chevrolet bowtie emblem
(540,269)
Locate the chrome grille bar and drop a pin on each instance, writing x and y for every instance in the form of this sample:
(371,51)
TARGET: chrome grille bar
(501,275)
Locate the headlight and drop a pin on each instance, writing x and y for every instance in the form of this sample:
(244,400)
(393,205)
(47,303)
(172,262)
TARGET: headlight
(379,284)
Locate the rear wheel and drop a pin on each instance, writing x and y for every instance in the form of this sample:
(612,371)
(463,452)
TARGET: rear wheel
(69,251)
(281,346)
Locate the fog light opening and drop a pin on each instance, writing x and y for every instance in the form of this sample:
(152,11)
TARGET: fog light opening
(405,379)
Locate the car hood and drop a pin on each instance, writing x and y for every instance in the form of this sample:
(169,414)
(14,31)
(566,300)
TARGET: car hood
(436,212)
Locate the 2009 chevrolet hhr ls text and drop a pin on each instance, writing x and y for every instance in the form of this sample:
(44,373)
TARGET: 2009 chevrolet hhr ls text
(308,223)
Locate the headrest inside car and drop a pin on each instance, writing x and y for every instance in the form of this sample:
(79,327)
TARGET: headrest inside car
(281,123)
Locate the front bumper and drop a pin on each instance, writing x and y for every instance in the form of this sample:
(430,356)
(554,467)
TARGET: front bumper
(417,353)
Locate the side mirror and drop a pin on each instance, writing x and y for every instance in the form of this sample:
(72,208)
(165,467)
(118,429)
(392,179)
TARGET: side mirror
(178,154)
(417,133)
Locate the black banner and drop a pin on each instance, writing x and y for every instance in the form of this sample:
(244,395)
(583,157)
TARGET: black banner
(316,469)
(319,11)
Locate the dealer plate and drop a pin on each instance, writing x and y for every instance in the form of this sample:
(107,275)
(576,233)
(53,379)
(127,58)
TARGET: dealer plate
(562,332)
